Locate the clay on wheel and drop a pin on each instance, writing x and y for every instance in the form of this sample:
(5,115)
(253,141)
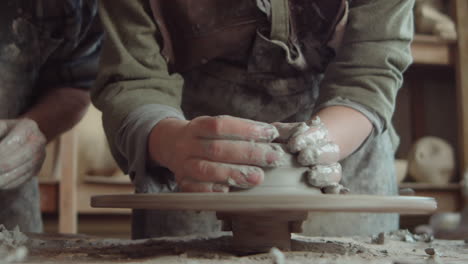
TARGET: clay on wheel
(288,178)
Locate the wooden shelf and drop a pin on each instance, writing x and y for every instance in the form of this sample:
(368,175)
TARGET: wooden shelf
(49,192)
(429,186)
(431,50)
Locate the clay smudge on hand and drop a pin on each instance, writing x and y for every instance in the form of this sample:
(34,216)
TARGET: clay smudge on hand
(327,153)
(324,175)
(276,155)
(288,130)
(262,132)
(219,188)
(266,132)
(245,176)
(313,136)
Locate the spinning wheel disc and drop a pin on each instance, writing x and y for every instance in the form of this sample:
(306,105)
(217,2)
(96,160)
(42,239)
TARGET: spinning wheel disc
(238,202)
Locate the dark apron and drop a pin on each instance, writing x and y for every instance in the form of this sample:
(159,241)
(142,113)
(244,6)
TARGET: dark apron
(23,49)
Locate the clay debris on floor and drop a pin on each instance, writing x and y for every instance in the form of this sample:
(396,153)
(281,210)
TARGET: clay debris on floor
(399,247)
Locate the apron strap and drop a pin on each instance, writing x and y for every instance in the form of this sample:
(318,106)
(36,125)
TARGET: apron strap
(280,27)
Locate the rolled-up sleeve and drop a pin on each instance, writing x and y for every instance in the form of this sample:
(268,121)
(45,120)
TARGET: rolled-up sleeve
(368,68)
(133,89)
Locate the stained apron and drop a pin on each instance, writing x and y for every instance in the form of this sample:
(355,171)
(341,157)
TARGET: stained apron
(22,52)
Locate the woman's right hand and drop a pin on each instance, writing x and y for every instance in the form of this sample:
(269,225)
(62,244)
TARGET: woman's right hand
(209,154)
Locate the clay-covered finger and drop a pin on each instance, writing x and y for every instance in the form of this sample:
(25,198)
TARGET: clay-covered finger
(228,127)
(314,135)
(323,153)
(287,130)
(324,175)
(23,132)
(18,181)
(30,150)
(14,139)
(242,153)
(240,176)
(188,185)
(17,176)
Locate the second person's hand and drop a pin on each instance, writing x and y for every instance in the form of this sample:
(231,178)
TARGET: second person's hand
(22,152)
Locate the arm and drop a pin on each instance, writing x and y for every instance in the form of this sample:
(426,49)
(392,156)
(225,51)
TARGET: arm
(59,110)
(361,83)
(359,89)
(59,106)
(68,73)
(145,126)
(347,128)
(133,88)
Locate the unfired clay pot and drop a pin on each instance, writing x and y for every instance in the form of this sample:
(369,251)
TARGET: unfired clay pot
(288,178)
(431,160)
(401,167)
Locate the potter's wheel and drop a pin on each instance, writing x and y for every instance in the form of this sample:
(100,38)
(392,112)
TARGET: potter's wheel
(260,221)
(235,202)
(265,216)
(283,189)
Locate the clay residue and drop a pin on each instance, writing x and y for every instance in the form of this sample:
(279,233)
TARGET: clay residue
(263,132)
(217,249)
(402,235)
(326,153)
(273,155)
(326,177)
(283,158)
(288,130)
(306,136)
(12,247)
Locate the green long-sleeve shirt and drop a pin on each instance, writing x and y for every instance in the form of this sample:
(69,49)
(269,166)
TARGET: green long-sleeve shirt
(367,69)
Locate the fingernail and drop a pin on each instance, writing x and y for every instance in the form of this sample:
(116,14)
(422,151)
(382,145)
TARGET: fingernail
(272,159)
(270,132)
(254,177)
